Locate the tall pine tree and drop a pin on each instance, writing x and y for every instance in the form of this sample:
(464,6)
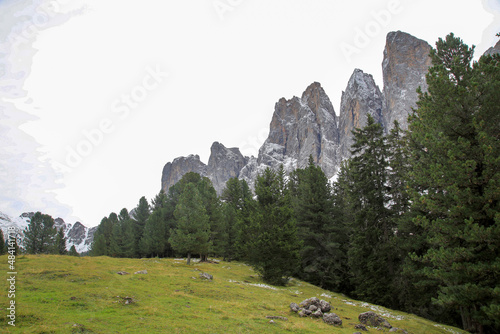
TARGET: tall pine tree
(153,241)
(141,215)
(39,236)
(455,154)
(192,235)
(273,249)
(321,252)
(371,258)
(238,204)
(3,248)
(60,243)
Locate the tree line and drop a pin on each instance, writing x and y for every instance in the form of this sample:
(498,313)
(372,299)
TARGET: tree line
(412,221)
(41,237)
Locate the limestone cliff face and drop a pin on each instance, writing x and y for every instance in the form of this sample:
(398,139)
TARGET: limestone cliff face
(406,62)
(493,50)
(173,171)
(223,164)
(307,125)
(361,97)
(301,127)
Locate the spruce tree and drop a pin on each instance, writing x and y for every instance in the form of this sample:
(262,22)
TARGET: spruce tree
(213,209)
(129,246)
(60,243)
(455,154)
(3,247)
(160,200)
(239,208)
(124,236)
(72,251)
(225,236)
(98,247)
(343,215)
(141,215)
(371,258)
(103,236)
(322,240)
(273,249)
(192,234)
(210,203)
(153,241)
(228,231)
(40,234)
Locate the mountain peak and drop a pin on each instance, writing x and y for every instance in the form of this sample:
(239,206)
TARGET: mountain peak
(361,97)
(313,90)
(406,62)
(307,126)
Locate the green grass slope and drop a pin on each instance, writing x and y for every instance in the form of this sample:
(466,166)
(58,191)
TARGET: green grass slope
(62,294)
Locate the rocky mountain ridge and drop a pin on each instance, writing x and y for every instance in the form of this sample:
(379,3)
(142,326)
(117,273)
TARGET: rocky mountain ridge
(76,234)
(308,125)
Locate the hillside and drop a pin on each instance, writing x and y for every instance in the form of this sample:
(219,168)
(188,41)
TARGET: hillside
(62,294)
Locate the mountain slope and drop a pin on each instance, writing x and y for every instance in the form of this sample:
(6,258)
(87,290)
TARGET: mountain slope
(90,297)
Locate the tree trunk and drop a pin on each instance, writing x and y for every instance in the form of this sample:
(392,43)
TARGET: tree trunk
(189,259)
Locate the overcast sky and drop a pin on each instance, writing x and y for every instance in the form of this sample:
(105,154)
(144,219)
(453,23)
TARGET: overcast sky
(96,96)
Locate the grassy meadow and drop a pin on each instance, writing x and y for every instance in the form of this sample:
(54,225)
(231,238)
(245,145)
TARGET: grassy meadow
(63,294)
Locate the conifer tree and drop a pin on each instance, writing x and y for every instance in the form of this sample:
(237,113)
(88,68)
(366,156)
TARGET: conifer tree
(124,236)
(160,201)
(239,208)
(72,251)
(343,200)
(3,247)
(103,236)
(322,240)
(273,250)
(371,258)
(40,234)
(141,215)
(192,234)
(213,209)
(129,247)
(225,233)
(116,244)
(153,241)
(60,243)
(455,154)
(99,247)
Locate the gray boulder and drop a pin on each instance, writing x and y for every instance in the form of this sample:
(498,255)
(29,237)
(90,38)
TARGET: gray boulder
(294,307)
(332,319)
(317,314)
(310,301)
(361,327)
(324,306)
(304,313)
(373,319)
(206,276)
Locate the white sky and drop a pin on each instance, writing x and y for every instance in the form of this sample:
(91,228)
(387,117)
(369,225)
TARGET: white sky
(87,65)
